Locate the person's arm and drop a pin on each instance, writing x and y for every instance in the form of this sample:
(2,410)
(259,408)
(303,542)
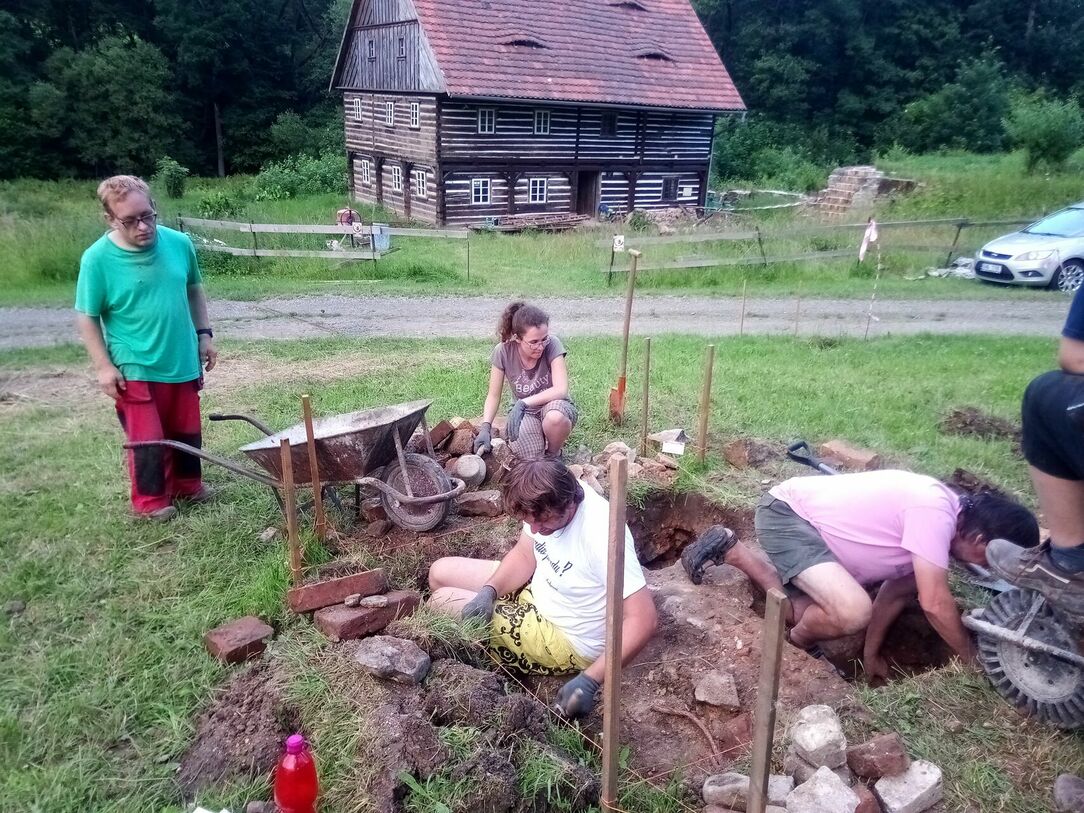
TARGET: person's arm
(940,607)
(891,599)
(197,306)
(637,626)
(493,397)
(110,379)
(1071,355)
(557,390)
(516,568)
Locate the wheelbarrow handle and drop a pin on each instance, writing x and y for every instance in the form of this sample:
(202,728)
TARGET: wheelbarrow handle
(459,487)
(210,458)
(215,416)
(800,452)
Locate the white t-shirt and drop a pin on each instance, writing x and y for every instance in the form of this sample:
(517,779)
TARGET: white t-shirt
(569,581)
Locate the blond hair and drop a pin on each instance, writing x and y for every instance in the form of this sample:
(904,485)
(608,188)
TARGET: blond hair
(119,187)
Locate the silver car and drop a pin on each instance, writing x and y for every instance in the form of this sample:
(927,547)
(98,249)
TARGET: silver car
(1047,253)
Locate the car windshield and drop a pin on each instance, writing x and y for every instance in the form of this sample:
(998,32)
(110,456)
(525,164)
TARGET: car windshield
(1066,223)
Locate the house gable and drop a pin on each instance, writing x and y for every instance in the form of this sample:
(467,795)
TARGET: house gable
(385,48)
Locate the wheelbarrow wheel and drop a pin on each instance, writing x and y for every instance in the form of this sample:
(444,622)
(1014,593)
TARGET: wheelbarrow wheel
(426,478)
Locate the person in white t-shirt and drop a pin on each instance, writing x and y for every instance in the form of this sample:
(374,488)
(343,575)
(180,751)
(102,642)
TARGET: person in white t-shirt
(546,599)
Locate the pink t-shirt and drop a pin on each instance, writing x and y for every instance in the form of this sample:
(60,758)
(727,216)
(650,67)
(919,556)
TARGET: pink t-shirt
(875,521)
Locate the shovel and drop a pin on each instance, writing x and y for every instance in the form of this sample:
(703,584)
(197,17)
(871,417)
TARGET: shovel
(800,452)
(617,394)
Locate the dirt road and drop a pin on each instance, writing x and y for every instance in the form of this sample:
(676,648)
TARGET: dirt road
(474,317)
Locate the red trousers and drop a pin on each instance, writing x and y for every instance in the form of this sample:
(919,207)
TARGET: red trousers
(149,410)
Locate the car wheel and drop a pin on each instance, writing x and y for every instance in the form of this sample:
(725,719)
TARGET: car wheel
(1068,277)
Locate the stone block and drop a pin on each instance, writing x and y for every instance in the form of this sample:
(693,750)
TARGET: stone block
(373,510)
(718,689)
(884,755)
(310,597)
(731,790)
(1068,794)
(824,792)
(480,503)
(916,789)
(342,623)
(744,453)
(842,453)
(392,659)
(462,440)
(867,801)
(801,770)
(238,640)
(818,737)
(617,447)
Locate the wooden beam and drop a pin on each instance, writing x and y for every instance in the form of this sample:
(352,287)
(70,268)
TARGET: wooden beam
(615,588)
(314,470)
(289,500)
(771,658)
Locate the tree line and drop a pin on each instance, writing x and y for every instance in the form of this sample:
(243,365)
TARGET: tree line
(227,85)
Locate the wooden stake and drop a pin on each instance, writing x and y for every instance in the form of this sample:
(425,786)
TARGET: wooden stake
(615,589)
(314,471)
(289,498)
(797,313)
(771,658)
(741,319)
(647,388)
(705,402)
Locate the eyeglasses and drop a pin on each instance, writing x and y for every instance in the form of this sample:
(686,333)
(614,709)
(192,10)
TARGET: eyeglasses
(133,222)
(534,344)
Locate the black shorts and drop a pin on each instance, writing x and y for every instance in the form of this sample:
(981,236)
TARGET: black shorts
(1051,442)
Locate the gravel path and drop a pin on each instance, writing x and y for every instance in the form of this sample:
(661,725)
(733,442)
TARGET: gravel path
(474,317)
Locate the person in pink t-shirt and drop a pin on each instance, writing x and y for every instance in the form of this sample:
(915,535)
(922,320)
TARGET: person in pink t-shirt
(829,539)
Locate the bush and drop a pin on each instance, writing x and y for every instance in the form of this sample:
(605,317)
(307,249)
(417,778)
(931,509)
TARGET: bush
(171,176)
(769,153)
(1048,131)
(639,221)
(217,206)
(302,175)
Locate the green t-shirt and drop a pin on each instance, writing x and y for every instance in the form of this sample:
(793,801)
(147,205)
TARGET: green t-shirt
(141,297)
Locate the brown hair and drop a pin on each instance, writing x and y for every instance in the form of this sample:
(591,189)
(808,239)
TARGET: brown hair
(534,487)
(119,187)
(517,318)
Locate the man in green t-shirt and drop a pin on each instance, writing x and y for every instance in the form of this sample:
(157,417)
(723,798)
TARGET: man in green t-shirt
(142,315)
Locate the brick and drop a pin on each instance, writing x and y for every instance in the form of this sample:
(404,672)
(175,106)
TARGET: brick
(342,623)
(311,597)
(842,453)
(462,440)
(744,453)
(884,755)
(440,433)
(480,503)
(238,640)
(867,802)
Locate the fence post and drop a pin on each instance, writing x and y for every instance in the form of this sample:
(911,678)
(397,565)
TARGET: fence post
(468,256)
(615,582)
(760,243)
(771,657)
(955,241)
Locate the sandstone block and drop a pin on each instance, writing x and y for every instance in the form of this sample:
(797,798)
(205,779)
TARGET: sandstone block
(842,453)
(718,689)
(480,503)
(916,789)
(392,659)
(818,737)
(824,792)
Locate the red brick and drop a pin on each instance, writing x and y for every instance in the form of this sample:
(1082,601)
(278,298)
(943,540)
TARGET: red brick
(462,441)
(310,597)
(342,623)
(842,453)
(440,433)
(884,755)
(867,801)
(238,640)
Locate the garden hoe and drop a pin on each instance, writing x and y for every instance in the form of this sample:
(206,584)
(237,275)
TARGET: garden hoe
(617,394)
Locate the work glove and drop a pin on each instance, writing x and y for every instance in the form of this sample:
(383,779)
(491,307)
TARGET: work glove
(481,606)
(577,697)
(483,441)
(515,415)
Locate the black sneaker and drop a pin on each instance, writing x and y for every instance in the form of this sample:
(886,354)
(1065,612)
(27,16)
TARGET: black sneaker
(709,549)
(1033,569)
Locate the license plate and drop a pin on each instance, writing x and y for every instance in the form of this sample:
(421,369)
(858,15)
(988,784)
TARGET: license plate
(996,269)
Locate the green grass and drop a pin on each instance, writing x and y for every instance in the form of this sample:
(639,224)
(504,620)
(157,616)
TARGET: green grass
(105,669)
(45,226)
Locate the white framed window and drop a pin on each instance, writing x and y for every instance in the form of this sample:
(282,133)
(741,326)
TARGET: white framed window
(415,115)
(480,191)
(366,171)
(487,120)
(371,49)
(541,122)
(420,184)
(389,114)
(539,189)
(357,109)
(402,47)
(397,178)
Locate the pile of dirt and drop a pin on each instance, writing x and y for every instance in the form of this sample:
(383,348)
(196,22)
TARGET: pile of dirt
(973,422)
(240,734)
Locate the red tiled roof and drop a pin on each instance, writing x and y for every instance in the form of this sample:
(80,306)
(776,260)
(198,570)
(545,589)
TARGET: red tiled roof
(590,52)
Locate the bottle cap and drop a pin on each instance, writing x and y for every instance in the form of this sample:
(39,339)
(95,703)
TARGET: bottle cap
(295,744)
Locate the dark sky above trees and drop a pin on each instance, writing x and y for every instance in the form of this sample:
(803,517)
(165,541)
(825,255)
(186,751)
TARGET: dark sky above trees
(95,86)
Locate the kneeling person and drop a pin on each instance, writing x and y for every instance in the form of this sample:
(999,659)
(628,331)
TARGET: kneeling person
(546,599)
(830,538)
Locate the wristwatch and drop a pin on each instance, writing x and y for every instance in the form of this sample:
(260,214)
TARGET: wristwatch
(210,334)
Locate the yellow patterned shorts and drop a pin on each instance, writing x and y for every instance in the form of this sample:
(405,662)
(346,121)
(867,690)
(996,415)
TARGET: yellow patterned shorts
(525,641)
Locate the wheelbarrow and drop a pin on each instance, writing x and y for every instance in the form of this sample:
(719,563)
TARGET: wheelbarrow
(365,449)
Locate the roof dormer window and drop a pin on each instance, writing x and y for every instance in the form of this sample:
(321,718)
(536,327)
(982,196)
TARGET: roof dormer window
(629,5)
(654,55)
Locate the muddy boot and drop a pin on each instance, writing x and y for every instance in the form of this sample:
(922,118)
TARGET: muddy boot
(1032,568)
(709,549)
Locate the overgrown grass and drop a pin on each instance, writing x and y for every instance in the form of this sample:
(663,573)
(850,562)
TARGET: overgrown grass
(105,669)
(45,226)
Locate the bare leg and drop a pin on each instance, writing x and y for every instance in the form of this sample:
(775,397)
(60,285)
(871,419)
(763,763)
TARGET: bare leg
(1062,504)
(556,427)
(840,604)
(455,580)
(758,567)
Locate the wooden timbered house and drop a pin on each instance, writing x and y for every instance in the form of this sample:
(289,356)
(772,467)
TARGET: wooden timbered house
(462,110)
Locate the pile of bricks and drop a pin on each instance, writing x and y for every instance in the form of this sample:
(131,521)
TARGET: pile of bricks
(849,189)
(353,606)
